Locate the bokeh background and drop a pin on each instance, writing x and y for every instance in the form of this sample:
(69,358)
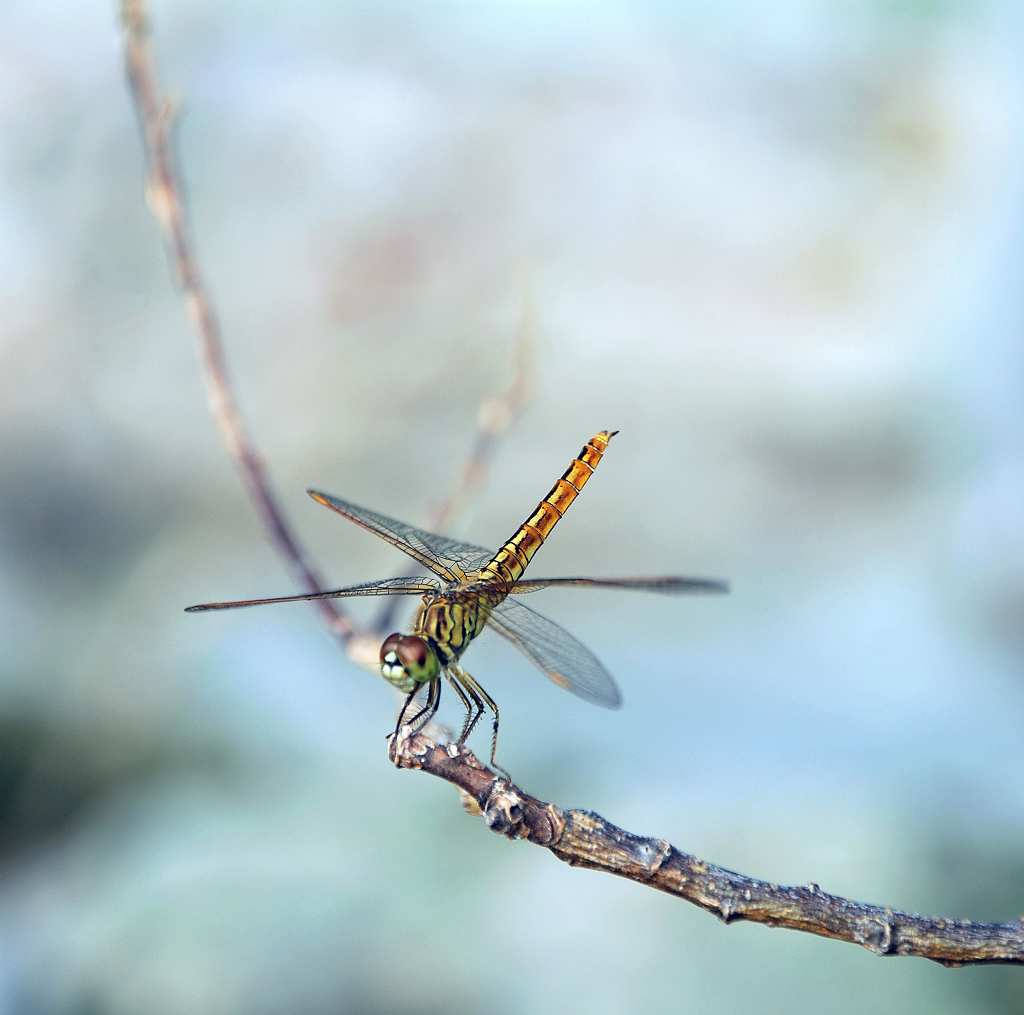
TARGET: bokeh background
(779,250)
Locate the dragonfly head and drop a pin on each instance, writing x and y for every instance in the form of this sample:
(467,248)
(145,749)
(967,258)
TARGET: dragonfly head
(407,660)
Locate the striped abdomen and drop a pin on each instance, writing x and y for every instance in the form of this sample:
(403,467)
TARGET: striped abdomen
(509,563)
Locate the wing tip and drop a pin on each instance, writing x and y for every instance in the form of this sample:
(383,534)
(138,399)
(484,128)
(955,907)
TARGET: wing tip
(711,586)
(607,697)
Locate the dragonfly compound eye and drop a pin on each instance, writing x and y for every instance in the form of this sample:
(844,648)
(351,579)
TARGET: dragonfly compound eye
(407,660)
(390,647)
(417,658)
(412,652)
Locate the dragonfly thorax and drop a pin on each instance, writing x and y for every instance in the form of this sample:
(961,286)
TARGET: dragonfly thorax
(407,660)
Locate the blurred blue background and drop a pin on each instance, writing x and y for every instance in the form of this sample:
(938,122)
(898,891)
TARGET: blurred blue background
(781,252)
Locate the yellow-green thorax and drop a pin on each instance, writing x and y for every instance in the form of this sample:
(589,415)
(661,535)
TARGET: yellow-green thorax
(452,622)
(443,628)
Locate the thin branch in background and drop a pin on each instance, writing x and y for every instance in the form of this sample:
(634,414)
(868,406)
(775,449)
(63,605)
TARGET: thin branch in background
(584,839)
(164,194)
(496,416)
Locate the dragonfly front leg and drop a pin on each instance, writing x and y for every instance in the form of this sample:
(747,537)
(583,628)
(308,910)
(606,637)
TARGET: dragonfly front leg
(425,714)
(429,709)
(405,708)
(476,692)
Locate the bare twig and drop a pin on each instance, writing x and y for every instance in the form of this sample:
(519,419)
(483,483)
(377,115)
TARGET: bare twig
(164,194)
(585,839)
(580,838)
(496,416)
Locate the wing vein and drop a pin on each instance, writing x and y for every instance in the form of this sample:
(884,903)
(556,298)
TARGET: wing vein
(566,661)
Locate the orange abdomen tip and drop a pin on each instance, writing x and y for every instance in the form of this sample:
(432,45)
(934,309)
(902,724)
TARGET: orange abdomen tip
(514,556)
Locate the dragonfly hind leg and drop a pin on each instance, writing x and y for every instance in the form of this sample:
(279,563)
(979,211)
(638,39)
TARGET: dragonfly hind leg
(473,707)
(471,687)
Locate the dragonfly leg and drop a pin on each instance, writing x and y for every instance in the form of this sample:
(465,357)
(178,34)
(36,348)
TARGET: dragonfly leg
(430,706)
(398,725)
(473,707)
(429,709)
(405,708)
(474,688)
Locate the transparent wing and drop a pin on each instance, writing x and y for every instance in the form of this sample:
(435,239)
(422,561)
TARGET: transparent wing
(667,584)
(436,553)
(563,659)
(384,587)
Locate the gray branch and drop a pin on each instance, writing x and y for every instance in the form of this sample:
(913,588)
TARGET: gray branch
(585,839)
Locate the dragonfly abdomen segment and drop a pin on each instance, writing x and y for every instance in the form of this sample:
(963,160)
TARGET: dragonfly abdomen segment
(514,556)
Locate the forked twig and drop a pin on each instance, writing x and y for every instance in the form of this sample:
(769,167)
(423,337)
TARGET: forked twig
(580,838)
(585,839)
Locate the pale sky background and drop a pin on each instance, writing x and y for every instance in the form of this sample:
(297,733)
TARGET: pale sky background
(779,251)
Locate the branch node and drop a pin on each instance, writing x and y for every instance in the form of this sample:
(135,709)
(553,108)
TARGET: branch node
(503,811)
(405,750)
(728,911)
(876,933)
(652,853)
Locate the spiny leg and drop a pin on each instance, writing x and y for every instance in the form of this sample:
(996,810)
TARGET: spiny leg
(474,711)
(429,709)
(393,748)
(478,710)
(405,706)
(432,691)
(461,679)
(493,705)
(466,704)
(473,686)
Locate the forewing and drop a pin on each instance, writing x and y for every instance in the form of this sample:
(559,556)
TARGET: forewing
(385,587)
(565,661)
(666,584)
(434,552)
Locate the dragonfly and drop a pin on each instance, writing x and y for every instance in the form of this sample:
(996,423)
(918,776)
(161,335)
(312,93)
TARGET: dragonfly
(471,589)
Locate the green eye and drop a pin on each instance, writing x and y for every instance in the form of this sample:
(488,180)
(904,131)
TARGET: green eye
(418,658)
(407,660)
(412,652)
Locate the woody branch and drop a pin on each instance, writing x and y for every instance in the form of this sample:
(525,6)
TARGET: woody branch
(585,839)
